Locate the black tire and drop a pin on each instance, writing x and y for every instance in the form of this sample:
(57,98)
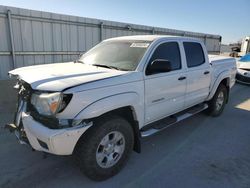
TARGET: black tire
(88,144)
(213,109)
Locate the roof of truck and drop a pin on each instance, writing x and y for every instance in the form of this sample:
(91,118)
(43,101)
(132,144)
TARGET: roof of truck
(146,37)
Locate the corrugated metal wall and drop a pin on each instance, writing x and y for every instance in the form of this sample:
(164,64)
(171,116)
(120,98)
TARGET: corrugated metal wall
(30,37)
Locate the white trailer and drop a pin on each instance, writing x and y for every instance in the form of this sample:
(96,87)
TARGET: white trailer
(245,46)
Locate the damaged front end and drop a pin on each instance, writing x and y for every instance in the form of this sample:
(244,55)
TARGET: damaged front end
(24,93)
(36,122)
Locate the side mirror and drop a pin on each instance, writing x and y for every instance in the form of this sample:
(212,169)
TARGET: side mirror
(159,66)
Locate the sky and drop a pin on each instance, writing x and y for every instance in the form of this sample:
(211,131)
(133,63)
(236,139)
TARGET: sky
(228,18)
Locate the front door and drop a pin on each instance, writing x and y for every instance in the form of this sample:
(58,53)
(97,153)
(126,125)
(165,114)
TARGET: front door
(165,92)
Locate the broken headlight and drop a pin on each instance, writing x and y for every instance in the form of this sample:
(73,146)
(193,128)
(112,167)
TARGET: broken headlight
(49,103)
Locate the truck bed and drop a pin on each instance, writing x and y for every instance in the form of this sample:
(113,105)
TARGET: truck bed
(219,59)
(220,63)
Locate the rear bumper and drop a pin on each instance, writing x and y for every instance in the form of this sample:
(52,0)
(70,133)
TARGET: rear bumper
(54,141)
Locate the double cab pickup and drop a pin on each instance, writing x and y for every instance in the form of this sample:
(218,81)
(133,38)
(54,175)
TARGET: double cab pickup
(98,107)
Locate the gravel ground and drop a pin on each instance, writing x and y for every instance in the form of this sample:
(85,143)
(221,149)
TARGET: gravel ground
(198,152)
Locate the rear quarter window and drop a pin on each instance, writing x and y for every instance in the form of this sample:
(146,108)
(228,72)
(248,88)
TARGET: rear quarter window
(194,54)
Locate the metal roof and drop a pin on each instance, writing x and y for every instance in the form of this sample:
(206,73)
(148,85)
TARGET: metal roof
(146,37)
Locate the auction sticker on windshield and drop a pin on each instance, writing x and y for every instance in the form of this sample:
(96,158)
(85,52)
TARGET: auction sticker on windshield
(139,45)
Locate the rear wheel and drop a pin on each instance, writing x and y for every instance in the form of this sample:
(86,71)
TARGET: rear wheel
(105,149)
(217,103)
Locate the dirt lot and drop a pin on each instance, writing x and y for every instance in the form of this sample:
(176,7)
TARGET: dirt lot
(198,152)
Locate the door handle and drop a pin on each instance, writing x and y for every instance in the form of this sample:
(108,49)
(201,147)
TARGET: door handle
(182,78)
(206,72)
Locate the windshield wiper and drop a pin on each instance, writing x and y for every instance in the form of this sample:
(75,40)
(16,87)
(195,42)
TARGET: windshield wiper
(107,66)
(78,61)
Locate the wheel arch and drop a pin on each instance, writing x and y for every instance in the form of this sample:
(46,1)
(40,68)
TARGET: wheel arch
(126,112)
(226,82)
(222,79)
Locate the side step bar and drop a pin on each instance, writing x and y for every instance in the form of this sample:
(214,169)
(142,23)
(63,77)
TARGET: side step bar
(162,124)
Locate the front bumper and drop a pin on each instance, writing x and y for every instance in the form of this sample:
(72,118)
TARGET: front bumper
(54,141)
(35,133)
(243,76)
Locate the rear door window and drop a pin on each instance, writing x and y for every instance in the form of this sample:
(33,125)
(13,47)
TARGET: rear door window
(194,54)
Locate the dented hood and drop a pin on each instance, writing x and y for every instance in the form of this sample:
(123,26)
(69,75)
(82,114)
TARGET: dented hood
(60,76)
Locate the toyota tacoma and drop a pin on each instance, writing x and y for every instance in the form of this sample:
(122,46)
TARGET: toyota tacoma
(98,107)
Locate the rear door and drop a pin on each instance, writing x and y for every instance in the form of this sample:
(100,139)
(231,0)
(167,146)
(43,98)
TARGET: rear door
(165,92)
(198,73)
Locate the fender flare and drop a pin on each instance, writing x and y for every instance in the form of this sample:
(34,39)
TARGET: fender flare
(223,75)
(113,102)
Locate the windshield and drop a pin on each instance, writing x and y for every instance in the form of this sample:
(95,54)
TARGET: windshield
(245,58)
(121,55)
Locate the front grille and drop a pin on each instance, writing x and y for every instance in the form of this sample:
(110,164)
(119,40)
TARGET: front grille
(25,91)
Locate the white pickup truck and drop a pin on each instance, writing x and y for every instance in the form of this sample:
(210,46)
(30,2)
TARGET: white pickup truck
(125,88)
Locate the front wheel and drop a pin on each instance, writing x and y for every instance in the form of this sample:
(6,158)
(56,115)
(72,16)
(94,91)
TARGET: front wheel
(105,148)
(217,103)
